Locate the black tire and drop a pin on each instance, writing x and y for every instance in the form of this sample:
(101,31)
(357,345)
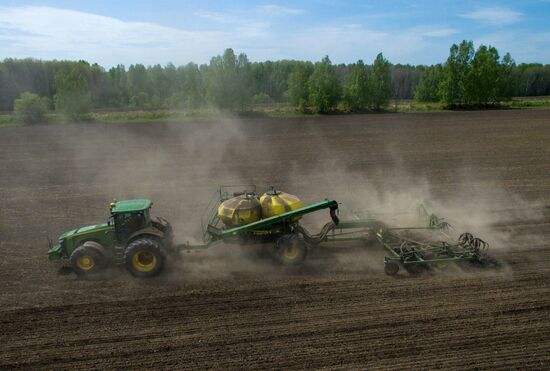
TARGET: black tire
(290,250)
(86,260)
(391,268)
(143,257)
(486,261)
(415,269)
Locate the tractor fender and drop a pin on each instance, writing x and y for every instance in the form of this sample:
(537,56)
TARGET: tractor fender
(147,231)
(97,247)
(151,233)
(94,245)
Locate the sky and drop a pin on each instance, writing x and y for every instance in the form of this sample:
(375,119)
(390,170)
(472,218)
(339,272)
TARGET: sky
(158,32)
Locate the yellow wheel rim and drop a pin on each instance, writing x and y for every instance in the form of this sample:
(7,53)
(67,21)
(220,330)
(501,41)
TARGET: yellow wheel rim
(85,262)
(291,252)
(144,261)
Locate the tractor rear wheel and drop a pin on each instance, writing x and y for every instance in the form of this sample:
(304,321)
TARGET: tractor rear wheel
(290,250)
(143,257)
(86,260)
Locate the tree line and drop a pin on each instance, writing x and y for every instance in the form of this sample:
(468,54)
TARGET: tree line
(469,78)
(229,81)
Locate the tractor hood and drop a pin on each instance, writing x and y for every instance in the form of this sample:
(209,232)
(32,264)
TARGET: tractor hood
(81,230)
(58,250)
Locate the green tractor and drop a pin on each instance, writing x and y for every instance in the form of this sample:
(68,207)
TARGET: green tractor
(131,238)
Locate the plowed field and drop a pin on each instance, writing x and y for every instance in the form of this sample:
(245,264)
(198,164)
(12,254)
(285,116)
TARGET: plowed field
(487,172)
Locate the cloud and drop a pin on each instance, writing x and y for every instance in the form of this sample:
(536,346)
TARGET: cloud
(48,33)
(527,47)
(213,16)
(52,33)
(239,27)
(346,43)
(278,10)
(496,16)
(438,32)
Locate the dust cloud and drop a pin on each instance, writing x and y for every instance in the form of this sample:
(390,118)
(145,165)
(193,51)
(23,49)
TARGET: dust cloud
(180,167)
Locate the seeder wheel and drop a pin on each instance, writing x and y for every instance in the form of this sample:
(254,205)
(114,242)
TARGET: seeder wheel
(391,268)
(486,261)
(290,250)
(414,269)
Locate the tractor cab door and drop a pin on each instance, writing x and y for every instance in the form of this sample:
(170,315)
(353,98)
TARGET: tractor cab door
(127,224)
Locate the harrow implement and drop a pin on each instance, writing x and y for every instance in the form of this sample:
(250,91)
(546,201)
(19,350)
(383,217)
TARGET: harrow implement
(415,256)
(415,248)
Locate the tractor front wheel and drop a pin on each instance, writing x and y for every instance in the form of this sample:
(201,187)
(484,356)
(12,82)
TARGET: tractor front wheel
(143,257)
(86,260)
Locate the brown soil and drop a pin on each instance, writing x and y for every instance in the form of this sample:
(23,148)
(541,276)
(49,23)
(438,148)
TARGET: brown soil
(224,308)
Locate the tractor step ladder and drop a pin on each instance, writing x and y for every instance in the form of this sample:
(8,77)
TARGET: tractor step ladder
(119,254)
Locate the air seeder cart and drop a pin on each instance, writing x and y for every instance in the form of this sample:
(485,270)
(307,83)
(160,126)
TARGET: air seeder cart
(134,239)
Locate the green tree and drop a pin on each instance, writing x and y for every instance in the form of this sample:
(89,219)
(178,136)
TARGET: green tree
(243,82)
(138,80)
(379,83)
(261,98)
(507,82)
(404,80)
(533,79)
(324,87)
(119,94)
(427,89)
(100,86)
(30,108)
(271,78)
(21,75)
(140,100)
(456,71)
(231,81)
(356,86)
(228,81)
(73,97)
(482,81)
(193,86)
(297,93)
(156,81)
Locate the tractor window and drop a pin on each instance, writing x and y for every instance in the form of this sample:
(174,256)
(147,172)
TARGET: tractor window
(146,216)
(128,223)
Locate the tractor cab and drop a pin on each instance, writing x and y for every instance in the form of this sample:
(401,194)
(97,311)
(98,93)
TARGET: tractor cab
(129,216)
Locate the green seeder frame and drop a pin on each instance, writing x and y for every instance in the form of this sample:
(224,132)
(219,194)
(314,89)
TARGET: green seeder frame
(437,250)
(401,250)
(214,232)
